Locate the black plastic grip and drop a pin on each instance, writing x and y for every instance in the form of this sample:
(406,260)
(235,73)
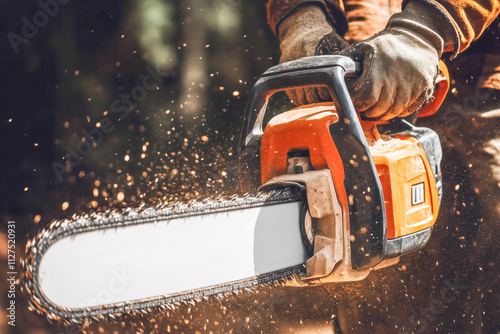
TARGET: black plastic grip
(307,71)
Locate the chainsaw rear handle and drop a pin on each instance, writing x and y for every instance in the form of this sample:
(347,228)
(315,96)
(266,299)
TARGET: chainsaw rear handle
(367,218)
(441,89)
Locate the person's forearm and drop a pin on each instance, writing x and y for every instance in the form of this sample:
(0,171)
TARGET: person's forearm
(469,17)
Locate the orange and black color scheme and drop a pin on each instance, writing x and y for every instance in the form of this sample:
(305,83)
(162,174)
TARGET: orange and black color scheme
(386,175)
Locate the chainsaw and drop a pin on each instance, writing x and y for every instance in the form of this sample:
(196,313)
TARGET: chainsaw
(328,198)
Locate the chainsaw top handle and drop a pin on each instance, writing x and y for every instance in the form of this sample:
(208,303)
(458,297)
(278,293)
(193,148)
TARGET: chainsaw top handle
(326,70)
(347,133)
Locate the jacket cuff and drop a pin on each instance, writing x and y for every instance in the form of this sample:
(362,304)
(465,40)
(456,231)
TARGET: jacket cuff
(278,10)
(446,25)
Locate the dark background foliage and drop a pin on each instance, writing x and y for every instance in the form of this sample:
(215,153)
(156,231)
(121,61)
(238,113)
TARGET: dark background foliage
(178,143)
(64,81)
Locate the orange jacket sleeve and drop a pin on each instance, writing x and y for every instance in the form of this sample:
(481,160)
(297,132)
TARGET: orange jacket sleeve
(470,17)
(278,10)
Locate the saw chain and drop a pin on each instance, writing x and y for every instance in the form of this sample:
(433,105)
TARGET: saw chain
(59,229)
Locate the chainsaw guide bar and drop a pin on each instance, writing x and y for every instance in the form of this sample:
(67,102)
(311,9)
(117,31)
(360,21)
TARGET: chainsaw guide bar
(57,230)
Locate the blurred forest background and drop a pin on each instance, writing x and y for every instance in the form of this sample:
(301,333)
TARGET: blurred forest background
(171,79)
(186,66)
(200,58)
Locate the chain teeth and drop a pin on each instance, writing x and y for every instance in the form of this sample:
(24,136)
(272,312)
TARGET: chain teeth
(58,229)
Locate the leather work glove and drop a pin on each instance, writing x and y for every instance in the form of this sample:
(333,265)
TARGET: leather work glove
(307,32)
(401,63)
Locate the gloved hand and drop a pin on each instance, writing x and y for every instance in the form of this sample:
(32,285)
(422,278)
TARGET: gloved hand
(401,63)
(307,32)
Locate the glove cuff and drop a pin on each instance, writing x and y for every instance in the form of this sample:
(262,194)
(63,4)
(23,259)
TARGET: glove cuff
(432,21)
(302,20)
(279,10)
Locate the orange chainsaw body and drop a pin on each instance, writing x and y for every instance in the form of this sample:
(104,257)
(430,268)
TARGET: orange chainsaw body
(407,179)
(388,191)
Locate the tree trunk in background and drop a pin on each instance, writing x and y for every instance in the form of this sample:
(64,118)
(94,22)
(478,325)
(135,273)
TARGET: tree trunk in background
(193,69)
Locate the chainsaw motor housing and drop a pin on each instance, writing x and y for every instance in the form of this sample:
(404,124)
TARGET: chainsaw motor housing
(386,194)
